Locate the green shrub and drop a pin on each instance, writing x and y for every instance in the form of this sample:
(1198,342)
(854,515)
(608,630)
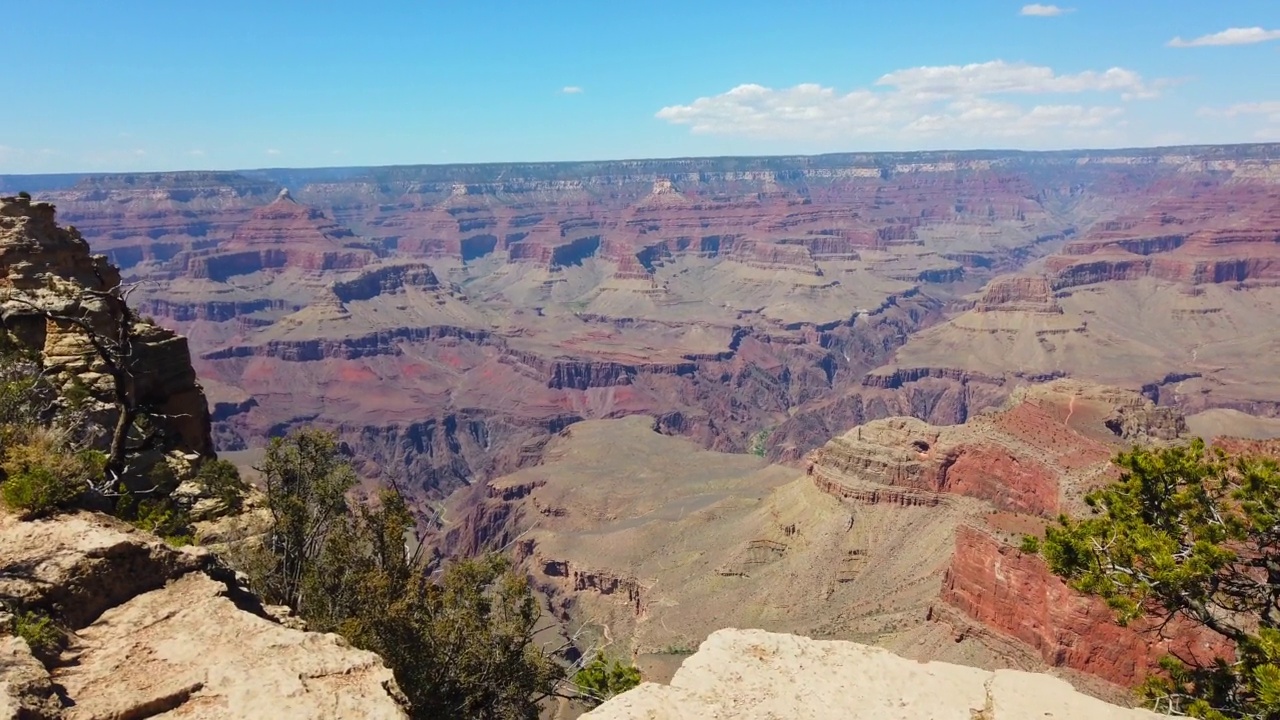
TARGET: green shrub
(25,395)
(460,644)
(220,479)
(1030,545)
(165,518)
(42,476)
(759,444)
(158,515)
(1192,534)
(601,680)
(42,636)
(76,393)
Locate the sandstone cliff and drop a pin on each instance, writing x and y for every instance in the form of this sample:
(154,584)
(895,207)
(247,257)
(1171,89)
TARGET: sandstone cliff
(159,632)
(53,292)
(750,674)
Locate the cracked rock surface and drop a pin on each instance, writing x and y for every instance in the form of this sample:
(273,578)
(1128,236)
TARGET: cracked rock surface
(757,675)
(159,632)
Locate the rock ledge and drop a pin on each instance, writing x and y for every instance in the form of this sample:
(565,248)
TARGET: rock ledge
(161,632)
(752,674)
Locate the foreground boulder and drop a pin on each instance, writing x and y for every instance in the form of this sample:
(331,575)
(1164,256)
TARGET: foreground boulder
(750,674)
(156,631)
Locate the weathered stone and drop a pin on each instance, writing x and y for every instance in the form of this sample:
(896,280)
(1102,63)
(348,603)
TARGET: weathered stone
(26,692)
(752,674)
(187,651)
(46,269)
(1016,594)
(157,631)
(77,566)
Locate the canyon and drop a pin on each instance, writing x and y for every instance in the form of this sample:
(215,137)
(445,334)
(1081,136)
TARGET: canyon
(897,533)
(447,320)
(814,395)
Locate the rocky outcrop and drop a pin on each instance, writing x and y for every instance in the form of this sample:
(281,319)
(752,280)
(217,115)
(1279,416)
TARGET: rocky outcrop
(557,255)
(768,256)
(284,234)
(155,631)
(1226,234)
(26,691)
(1019,294)
(47,273)
(385,280)
(754,675)
(1015,458)
(1015,594)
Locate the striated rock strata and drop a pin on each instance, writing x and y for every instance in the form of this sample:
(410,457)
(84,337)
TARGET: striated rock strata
(46,269)
(1016,594)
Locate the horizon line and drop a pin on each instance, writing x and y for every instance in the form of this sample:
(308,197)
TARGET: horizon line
(684,158)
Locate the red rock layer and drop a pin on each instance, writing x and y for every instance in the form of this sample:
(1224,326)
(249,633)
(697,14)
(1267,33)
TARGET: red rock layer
(1227,234)
(1016,594)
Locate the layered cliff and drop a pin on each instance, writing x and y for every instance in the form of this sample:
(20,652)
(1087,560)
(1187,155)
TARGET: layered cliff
(68,307)
(1176,297)
(282,235)
(1015,594)
(1036,455)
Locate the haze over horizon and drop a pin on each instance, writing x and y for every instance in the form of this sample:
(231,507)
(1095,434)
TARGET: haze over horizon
(135,86)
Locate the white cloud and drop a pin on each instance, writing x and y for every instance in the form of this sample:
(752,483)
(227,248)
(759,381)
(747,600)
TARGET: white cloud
(999,76)
(139,152)
(273,151)
(1270,109)
(1038,10)
(1006,120)
(571,90)
(952,103)
(196,153)
(1230,36)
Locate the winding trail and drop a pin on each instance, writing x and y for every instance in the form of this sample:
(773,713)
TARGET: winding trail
(1071,410)
(1177,389)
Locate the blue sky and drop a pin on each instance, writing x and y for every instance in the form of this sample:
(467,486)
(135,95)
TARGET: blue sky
(161,85)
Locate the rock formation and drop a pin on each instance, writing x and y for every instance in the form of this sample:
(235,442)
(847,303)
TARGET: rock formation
(52,295)
(754,675)
(1015,594)
(284,234)
(897,532)
(155,631)
(1026,458)
(1177,298)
